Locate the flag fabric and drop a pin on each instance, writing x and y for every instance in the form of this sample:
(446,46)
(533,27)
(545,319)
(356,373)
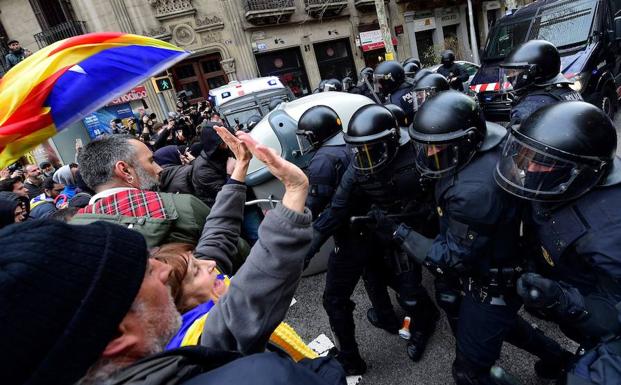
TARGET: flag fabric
(65,81)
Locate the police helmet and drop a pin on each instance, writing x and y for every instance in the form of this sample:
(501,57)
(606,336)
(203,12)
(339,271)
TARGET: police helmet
(399,114)
(252,121)
(412,60)
(316,126)
(559,153)
(447,58)
(536,62)
(388,76)
(275,102)
(447,131)
(373,137)
(331,85)
(428,85)
(411,69)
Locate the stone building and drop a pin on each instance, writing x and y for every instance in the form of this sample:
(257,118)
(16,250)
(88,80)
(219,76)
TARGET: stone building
(301,41)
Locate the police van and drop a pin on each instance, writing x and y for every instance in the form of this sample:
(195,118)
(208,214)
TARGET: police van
(587,34)
(240,100)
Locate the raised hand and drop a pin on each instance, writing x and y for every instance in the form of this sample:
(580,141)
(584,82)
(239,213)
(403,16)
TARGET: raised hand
(240,151)
(294,179)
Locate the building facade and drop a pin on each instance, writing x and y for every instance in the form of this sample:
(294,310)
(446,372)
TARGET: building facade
(301,41)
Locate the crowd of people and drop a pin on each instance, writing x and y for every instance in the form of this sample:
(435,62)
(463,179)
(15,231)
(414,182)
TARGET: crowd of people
(141,263)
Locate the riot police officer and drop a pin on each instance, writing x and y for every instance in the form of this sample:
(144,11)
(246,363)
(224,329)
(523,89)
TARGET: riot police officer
(381,175)
(412,60)
(533,70)
(476,251)
(348,83)
(453,72)
(562,158)
(410,70)
(320,130)
(427,85)
(392,84)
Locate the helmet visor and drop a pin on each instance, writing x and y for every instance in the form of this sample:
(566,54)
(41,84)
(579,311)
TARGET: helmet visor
(421,96)
(533,174)
(305,141)
(436,160)
(514,78)
(368,157)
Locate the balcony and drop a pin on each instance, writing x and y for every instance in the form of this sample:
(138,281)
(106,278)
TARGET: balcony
(262,12)
(367,5)
(324,8)
(59,32)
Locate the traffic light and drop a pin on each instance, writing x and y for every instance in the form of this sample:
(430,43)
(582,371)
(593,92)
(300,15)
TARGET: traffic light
(162,83)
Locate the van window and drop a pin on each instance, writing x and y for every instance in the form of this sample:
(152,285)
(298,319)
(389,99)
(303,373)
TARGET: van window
(565,23)
(505,37)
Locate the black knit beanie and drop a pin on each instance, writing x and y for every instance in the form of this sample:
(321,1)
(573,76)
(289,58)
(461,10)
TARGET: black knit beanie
(64,290)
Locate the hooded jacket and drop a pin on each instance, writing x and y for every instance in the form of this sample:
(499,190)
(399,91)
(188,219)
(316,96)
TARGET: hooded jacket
(7,212)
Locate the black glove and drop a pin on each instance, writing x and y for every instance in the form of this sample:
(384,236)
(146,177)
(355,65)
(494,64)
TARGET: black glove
(539,292)
(383,226)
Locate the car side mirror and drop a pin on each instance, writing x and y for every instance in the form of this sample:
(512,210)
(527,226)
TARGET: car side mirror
(618,28)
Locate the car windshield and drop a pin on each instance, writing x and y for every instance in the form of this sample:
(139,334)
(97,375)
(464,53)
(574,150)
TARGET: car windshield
(241,115)
(564,23)
(505,37)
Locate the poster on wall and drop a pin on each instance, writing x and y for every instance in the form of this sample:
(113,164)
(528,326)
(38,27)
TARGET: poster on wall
(98,122)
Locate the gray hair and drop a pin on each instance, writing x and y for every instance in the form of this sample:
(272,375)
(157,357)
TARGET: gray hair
(98,158)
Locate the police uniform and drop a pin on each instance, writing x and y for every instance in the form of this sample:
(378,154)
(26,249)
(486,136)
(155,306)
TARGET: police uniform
(404,98)
(533,101)
(454,71)
(580,246)
(396,190)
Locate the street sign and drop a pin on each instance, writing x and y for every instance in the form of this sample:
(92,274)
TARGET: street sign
(162,83)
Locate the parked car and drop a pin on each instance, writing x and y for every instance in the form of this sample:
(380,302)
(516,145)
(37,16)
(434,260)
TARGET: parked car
(587,34)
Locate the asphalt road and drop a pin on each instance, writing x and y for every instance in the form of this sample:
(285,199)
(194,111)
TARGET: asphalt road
(385,354)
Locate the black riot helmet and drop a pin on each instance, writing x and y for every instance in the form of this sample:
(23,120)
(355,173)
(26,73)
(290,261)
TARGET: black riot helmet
(252,121)
(399,114)
(373,137)
(447,131)
(388,76)
(534,63)
(447,58)
(316,126)
(320,86)
(412,60)
(428,85)
(411,69)
(331,85)
(559,153)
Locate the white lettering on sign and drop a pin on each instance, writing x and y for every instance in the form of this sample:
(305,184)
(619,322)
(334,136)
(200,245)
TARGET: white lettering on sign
(136,93)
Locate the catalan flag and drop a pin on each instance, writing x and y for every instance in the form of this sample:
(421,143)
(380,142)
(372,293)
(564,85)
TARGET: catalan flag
(69,79)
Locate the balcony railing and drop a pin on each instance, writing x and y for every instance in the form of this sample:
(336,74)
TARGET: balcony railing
(366,5)
(324,8)
(59,32)
(261,12)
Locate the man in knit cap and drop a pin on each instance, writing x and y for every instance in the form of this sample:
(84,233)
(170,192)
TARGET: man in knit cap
(84,304)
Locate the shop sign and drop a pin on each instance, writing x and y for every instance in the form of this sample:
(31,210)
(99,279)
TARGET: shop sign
(98,122)
(136,93)
(372,40)
(261,47)
(450,18)
(424,24)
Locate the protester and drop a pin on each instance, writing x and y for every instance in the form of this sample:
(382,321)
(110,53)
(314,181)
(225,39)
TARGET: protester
(33,181)
(16,53)
(46,168)
(118,292)
(66,175)
(14,185)
(10,212)
(19,204)
(44,205)
(122,172)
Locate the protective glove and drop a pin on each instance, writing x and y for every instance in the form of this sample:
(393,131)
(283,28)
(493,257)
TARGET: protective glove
(539,292)
(383,226)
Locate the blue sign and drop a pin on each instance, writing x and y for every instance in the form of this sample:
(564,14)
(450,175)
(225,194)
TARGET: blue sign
(98,122)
